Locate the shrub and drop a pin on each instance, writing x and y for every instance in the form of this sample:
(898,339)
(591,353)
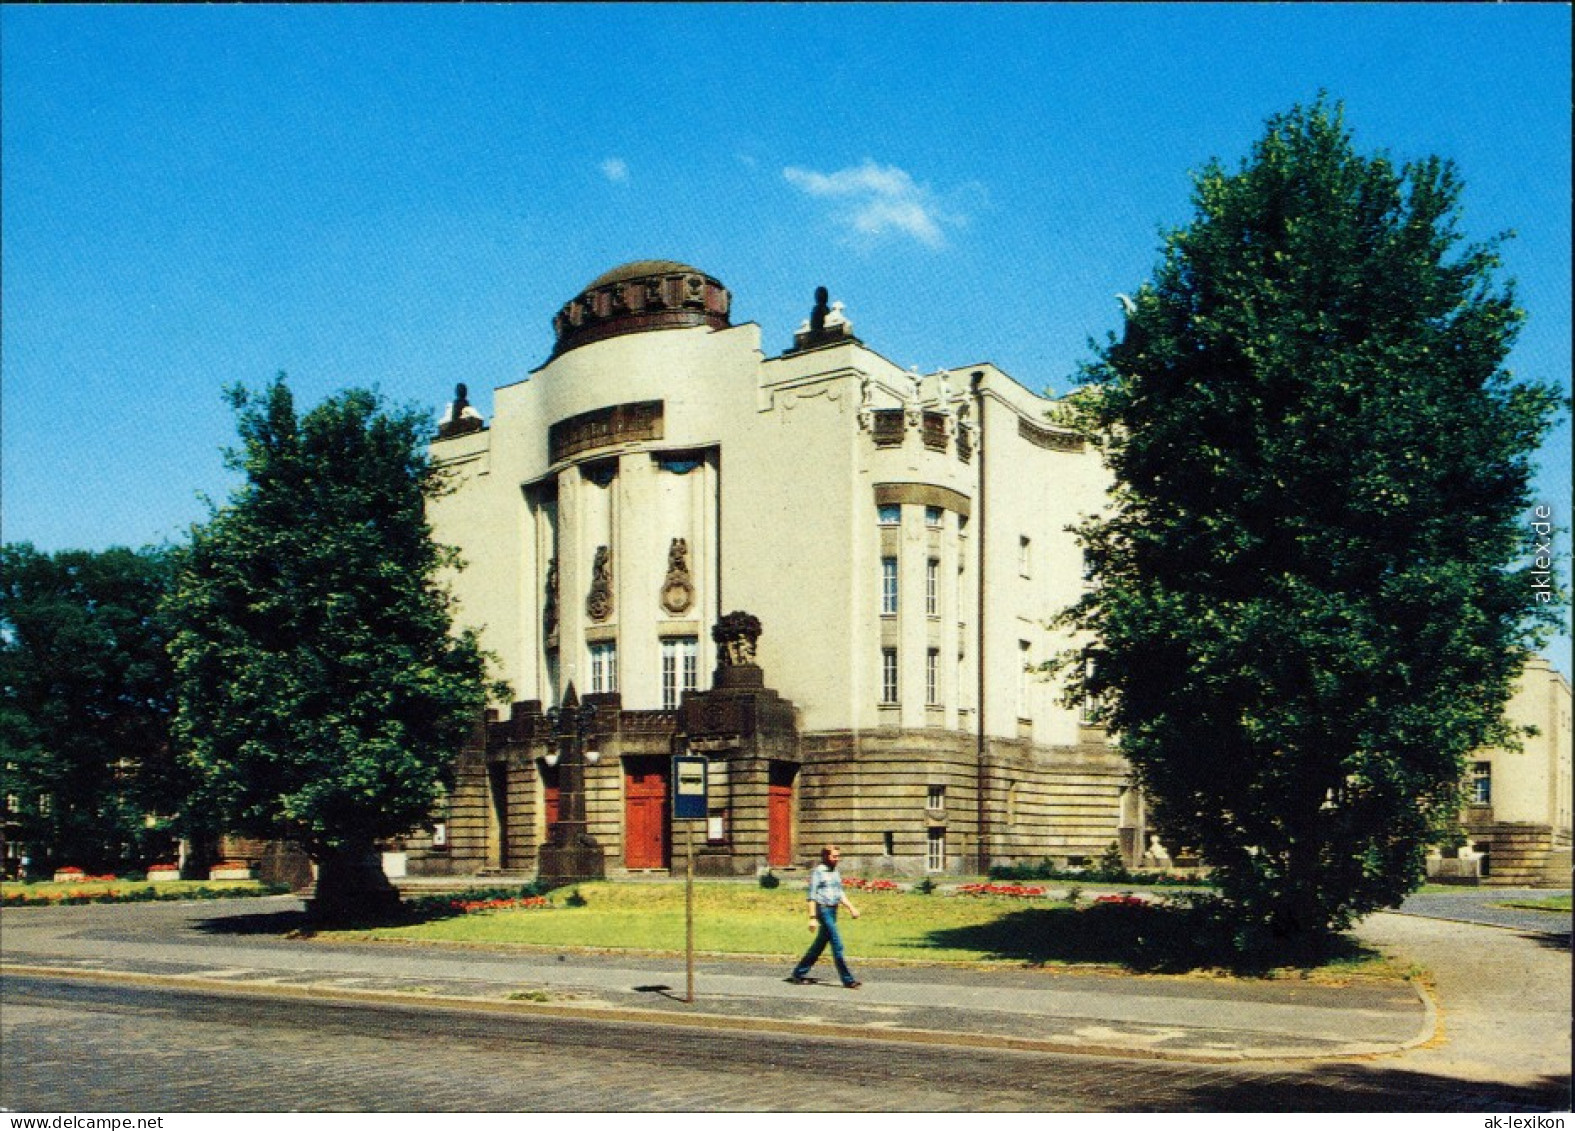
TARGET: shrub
(1111,865)
(575,899)
(769,881)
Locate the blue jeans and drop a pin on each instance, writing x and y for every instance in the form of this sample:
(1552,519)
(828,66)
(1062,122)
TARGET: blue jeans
(828,933)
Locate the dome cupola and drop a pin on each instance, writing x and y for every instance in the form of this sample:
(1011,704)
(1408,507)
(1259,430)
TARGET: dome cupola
(648,294)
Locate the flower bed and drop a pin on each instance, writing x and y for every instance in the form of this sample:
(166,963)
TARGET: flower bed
(1126,899)
(163,873)
(872,885)
(1010,891)
(470,905)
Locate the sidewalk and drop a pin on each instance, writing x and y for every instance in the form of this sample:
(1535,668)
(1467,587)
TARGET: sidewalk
(219,945)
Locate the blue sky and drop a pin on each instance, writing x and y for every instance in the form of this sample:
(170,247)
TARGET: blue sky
(404,195)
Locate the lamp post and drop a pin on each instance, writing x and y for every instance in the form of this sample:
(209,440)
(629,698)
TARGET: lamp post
(570,851)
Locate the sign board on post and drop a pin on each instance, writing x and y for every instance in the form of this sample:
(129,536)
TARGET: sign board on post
(689,804)
(689,788)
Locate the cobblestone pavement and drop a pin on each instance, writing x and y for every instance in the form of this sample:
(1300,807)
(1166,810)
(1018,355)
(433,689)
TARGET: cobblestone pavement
(70,1047)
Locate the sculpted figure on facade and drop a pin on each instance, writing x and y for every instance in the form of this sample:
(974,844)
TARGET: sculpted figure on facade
(915,412)
(866,402)
(678,591)
(549,608)
(599,605)
(735,635)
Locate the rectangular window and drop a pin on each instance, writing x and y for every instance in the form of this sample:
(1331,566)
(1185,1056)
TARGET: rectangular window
(932,517)
(890,514)
(932,587)
(935,851)
(680,669)
(604,667)
(888,675)
(932,677)
(1482,783)
(1088,712)
(888,586)
(936,798)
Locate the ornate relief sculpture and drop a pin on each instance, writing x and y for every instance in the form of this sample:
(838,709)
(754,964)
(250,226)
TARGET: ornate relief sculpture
(678,592)
(599,605)
(549,609)
(866,403)
(735,635)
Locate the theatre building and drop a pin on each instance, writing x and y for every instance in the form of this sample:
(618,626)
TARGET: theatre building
(829,576)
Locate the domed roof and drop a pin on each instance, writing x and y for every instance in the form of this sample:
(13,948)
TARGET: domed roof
(641,268)
(647,294)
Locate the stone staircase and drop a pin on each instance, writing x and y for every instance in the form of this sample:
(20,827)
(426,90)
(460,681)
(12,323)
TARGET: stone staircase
(1523,856)
(1556,870)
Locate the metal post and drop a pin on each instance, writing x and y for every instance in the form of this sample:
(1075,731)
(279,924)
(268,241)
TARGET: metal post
(689,910)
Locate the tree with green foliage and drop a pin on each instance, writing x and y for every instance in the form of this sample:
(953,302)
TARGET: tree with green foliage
(86,694)
(322,695)
(1312,593)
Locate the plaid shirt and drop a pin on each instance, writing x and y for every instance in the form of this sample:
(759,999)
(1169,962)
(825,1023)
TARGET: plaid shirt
(825,886)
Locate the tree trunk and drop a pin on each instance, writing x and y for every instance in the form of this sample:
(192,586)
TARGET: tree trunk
(351,886)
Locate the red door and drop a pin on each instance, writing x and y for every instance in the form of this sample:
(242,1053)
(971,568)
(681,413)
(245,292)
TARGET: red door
(779,815)
(645,813)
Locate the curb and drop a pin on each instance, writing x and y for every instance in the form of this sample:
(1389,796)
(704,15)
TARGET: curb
(713,1021)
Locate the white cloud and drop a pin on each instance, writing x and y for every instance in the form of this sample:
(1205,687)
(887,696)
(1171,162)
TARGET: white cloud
(879,201)
(615,169)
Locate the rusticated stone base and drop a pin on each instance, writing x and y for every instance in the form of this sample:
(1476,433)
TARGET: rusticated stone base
(578,857)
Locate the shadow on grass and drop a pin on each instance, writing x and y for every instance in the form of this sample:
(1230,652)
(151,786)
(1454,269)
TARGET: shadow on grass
(1150,939)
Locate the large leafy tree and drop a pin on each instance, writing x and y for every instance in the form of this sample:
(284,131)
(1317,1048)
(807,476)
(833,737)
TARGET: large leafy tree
(1312,590)
(85,701)
(321,693)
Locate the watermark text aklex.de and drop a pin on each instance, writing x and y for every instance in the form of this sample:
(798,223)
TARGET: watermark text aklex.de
(1542,554)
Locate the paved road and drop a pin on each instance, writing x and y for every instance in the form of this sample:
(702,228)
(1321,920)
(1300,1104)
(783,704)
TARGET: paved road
(68,1042)
(242,943)
(71,1046)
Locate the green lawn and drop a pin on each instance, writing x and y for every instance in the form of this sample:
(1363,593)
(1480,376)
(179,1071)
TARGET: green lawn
(733,918)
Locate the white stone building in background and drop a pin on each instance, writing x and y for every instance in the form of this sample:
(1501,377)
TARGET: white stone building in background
(1516,819)
(897,543)
(901,540)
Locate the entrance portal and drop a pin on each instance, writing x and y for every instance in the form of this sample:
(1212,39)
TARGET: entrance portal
(550,793)
(645,812)
(779,814)
(498,815)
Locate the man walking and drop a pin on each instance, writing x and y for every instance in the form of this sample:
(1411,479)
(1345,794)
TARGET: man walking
(825,896)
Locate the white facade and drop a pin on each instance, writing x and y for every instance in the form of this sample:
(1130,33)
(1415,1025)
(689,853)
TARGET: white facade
(902,540)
